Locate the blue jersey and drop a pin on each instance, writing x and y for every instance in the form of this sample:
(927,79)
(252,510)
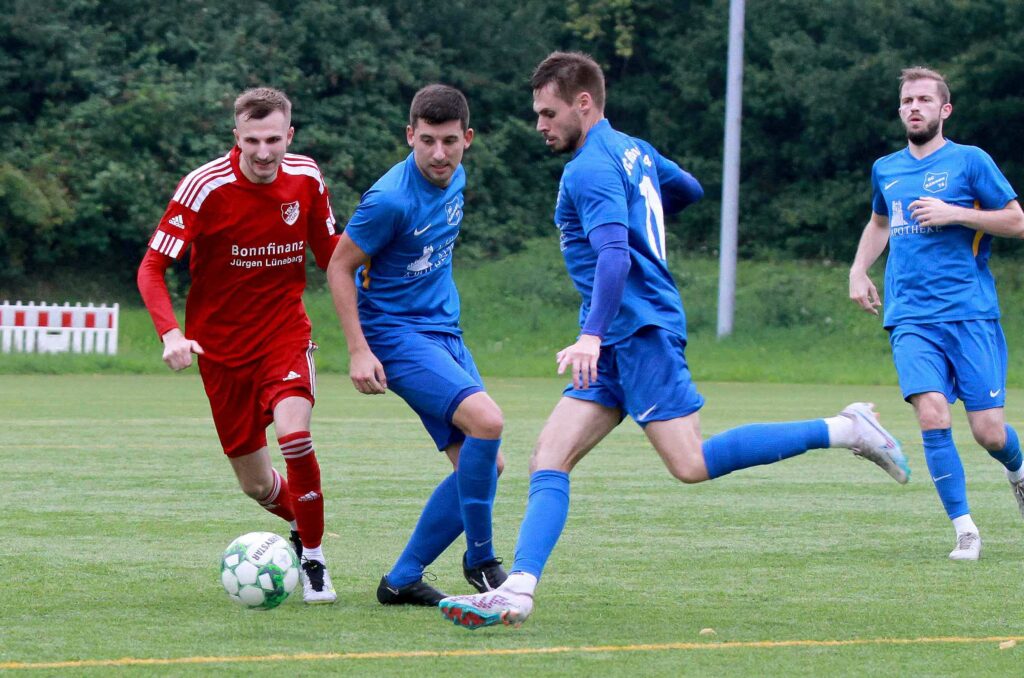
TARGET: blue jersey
(408,227)
(616,179)
(938,273)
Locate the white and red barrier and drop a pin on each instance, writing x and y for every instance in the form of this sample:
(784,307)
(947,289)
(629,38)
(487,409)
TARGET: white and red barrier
(52,328)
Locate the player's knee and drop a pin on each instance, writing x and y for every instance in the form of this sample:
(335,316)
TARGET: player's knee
(932,414)
(488,425)
(990,437)
(687,472)
(256,488)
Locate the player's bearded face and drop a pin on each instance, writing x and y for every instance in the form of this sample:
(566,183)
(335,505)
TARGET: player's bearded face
(557,121)
(438,149)
(922,110)
(263,144)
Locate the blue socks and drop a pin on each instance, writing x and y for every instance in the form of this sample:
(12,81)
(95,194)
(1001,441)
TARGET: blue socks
(546,512)
(946,470)
(439,525)
(757,444)
(444,517)
(1010,455)
(477,479)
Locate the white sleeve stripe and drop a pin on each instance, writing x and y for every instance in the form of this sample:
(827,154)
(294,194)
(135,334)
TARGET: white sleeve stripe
(208,189)
(197,176)
(304,170)
(167,244)
(299,158)
(158,240)
(199,190)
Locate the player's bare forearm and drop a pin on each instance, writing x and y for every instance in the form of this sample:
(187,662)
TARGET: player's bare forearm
(872,243)
(1007,222)
(365,370)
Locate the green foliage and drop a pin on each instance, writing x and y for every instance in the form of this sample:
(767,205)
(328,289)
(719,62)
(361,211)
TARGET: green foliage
(108,104)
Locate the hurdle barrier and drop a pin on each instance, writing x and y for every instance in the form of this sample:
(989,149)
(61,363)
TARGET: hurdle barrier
(54,328)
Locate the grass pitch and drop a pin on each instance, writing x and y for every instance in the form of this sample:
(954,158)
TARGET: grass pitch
(117,504)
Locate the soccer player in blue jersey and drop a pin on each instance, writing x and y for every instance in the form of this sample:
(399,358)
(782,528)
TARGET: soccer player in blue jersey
(629,357)
(391,279)
(938,204)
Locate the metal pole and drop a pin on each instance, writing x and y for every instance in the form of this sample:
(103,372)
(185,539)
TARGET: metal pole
(731,171)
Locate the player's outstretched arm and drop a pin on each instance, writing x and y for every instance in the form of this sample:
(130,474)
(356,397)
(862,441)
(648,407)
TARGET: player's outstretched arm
(364,369)
(872,243)
(1007,222)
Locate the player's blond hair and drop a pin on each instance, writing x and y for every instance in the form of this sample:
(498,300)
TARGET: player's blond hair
(259,102)
(921,73)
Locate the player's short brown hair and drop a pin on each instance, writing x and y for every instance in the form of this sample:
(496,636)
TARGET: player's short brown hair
(572,73)
(436,104)
(921,73)
(259,102)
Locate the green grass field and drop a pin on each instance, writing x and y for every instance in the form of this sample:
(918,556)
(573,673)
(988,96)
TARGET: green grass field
(117,504)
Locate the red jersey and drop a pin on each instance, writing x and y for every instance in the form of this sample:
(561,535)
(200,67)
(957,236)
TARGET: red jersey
(248,260)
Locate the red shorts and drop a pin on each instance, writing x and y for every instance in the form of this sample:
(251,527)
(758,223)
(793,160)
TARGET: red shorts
(243,398)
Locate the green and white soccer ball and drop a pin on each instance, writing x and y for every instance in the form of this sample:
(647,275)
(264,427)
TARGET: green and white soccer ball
(259,570)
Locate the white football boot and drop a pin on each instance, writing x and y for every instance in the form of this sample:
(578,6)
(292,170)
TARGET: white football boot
(317,588)
(874,443)
(486,609)
(1018,492)
(968,547)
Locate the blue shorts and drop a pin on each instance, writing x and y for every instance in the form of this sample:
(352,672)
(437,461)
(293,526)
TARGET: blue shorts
(433,372)
(644,376)
(964,359)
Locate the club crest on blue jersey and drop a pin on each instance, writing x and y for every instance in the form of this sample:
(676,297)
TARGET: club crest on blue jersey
(935,182)
(290,212)
(453,210)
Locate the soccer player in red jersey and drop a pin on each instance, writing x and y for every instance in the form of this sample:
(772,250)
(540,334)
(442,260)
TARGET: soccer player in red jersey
(249,217)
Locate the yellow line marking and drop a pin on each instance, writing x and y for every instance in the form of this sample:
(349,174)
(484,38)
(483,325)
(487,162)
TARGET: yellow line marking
(496,652)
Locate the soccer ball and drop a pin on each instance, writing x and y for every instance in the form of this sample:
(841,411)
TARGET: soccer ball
(259,570)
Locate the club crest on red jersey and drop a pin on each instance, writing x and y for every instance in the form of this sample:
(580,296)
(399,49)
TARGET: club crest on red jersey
(290,212)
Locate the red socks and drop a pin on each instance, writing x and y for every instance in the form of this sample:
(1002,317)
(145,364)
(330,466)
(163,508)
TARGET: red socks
(277,500)
(303,486)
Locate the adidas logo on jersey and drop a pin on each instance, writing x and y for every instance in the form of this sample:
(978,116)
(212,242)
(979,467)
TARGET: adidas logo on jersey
(292,375)
(177,221)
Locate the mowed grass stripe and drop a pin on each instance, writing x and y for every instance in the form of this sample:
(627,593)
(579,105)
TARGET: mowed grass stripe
(512,651)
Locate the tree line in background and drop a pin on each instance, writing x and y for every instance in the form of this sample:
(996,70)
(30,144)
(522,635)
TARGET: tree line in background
(108,103)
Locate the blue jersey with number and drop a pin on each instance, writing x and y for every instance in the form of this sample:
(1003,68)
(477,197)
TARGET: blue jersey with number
(938,273)
(616,179)
(408,227)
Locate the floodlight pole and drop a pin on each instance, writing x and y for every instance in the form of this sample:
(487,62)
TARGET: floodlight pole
(731,171)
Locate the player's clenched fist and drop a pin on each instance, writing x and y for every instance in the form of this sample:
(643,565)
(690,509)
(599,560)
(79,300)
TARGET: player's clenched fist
(178,350)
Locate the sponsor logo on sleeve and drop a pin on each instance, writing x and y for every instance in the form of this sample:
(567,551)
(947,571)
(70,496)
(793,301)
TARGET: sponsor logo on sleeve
(177,221)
